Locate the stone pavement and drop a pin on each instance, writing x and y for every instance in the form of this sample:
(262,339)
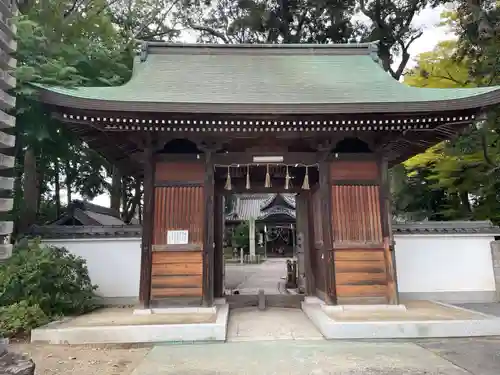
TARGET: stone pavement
(267,276)
(296,358)
(250,324)
(479,355)
(486,308)
(283,342)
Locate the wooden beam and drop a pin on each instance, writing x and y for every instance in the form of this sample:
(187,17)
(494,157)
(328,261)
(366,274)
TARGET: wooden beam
(147,224)
(208,241)
(239,187)
(386,217)
(328,259)
(233,158)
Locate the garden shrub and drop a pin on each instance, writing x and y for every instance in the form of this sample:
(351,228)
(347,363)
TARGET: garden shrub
(241,237)
(49,277)
(20,318)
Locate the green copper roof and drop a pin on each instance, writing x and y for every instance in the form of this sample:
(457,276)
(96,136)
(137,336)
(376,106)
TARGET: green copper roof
(265,79)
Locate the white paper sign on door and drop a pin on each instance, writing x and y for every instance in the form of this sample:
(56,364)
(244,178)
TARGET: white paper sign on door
(177,237)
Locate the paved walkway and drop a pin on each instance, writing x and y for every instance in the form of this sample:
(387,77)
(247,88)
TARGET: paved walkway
(284,342)
(479,355)
(486,308)
(267,276)
(251,324)
(297,358)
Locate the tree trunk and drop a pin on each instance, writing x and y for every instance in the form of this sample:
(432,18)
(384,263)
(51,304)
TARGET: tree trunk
(466,206)
(124,197)
(57,189)
(139,213)
(131,208)
(28,217)
(116,189)
(39,184)
(68,181)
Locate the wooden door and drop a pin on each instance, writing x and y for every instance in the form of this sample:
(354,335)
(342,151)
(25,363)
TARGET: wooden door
(358,241)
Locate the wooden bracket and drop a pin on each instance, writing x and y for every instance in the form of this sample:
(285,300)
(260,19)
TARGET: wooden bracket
(209,146)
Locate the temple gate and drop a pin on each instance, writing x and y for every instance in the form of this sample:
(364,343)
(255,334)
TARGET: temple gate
(326,112)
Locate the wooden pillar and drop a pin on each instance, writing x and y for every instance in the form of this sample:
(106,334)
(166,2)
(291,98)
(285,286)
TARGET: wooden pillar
(310,253)
(147,224)
(386,216)
(208,233)
(303,240)
(327,255)
(219,246)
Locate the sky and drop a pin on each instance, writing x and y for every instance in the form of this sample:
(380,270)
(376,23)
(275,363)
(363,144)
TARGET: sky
(428,19)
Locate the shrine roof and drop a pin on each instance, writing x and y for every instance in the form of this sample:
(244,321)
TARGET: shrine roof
(262,206)
(264,79)
(85,213)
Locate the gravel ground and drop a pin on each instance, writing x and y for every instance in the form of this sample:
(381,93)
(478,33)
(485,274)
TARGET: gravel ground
(83,360)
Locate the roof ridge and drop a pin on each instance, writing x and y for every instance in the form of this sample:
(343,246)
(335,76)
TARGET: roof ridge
(260,45)
(160,48)
(92,207)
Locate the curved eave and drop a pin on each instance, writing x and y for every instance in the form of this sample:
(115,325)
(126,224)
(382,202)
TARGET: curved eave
(474,101)
(277,213)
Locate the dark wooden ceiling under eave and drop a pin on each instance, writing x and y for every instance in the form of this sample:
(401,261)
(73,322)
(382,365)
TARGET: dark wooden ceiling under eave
(117,148)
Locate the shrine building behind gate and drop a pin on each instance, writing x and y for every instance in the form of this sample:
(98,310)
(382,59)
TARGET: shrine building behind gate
(325,122)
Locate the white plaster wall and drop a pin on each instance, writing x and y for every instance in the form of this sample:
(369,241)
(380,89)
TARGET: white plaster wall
(446,265)
(113,264)
(454,268)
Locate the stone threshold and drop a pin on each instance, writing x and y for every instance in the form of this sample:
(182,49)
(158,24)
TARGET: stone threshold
(54,333)
(479,324)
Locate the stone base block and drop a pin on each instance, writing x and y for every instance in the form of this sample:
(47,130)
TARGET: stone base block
(339,308)
(477,325)
(58,333)
(177,310)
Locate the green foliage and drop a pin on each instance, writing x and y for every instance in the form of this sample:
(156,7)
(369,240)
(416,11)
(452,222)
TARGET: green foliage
(20,318)
(456,179)
(48,277)
(439,69)
(65,45)
(240,237)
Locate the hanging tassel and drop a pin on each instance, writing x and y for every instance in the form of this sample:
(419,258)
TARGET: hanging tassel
(287,179)
(228,186)
(248,178)
(268,178)
(305,184)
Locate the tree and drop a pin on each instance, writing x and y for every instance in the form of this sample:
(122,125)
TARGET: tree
(438,68)
(240,237)
(262,21)
(66,45)
(457,177)
(391,25)
(145,19)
